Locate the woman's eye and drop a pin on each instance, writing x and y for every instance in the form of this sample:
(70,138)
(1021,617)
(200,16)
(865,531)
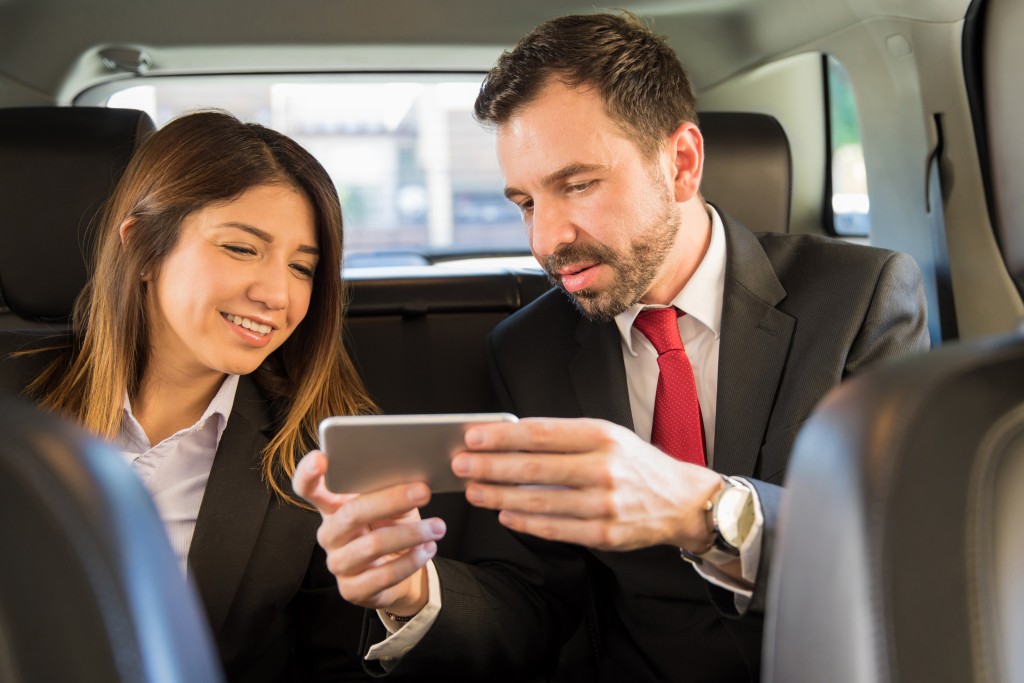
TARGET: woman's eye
(235,249)
(305,271)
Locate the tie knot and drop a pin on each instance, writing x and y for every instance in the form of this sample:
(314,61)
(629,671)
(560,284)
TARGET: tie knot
(660,327)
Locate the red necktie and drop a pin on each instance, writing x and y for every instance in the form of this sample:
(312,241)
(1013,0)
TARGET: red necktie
(677,428)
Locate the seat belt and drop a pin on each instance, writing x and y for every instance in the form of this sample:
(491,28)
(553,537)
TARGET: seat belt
(935,205)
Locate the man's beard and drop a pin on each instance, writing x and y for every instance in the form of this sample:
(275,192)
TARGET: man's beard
(634,271)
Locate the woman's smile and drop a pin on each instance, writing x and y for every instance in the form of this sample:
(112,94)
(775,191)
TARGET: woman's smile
(249,323)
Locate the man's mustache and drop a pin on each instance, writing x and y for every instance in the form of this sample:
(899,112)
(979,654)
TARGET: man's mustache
(570,254)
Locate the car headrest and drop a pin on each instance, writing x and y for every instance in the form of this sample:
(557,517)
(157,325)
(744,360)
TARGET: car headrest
(747,168)
(58,165)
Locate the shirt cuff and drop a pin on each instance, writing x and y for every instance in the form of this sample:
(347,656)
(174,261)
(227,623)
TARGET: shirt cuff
(750,557)
(404,636)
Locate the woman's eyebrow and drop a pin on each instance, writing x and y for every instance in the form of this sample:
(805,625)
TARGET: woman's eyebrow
(267,237)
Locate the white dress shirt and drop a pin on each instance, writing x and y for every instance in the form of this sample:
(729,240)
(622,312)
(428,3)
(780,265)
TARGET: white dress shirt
(700,329)
(176,470)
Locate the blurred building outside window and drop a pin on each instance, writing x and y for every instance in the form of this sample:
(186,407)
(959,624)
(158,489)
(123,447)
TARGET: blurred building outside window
(414,171)
(850,203)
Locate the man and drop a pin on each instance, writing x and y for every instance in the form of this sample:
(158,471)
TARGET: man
(598,142)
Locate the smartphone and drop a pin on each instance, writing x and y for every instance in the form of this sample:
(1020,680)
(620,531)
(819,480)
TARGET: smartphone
(369,452)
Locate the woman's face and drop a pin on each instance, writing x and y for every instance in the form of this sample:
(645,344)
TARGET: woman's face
(235,286)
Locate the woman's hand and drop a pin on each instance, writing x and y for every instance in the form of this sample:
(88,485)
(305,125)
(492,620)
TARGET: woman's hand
(377,546)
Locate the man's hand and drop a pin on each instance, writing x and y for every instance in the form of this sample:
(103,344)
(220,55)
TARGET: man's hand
(588,482)
(376,543)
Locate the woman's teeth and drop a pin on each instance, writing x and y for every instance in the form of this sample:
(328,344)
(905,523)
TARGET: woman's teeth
(248,324)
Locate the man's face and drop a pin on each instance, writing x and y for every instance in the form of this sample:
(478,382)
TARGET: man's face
(600,217)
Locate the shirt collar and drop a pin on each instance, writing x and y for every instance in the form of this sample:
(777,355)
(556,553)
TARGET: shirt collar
(701,297)
(220,406)
(222,403)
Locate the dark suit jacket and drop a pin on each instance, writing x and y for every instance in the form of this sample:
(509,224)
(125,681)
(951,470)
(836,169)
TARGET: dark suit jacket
(273,607)
(800,313)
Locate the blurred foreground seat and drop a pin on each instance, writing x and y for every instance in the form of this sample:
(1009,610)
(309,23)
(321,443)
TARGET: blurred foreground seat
(900,554)
(90,589)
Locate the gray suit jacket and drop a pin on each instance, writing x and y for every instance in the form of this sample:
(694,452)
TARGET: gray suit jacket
(800,313)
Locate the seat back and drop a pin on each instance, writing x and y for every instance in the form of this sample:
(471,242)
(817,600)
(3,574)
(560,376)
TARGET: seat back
(417,334)
(899,555)
(90,589)
(748,170)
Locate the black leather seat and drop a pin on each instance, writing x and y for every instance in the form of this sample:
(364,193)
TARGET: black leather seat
(417,334)
(900,555)
(90,589)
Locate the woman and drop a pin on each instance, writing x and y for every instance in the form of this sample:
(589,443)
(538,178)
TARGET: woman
(207,345)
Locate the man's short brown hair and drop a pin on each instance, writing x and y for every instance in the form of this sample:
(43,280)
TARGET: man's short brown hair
(645,89)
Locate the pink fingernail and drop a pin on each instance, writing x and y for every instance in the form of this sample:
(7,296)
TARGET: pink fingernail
(437,527)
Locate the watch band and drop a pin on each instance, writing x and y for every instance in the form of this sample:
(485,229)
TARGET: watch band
(712,555)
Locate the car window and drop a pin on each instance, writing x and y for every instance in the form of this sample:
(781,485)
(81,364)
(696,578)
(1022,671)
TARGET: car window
(416,174)
(850,204)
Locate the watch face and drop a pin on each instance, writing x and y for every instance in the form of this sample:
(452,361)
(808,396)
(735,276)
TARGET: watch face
(734,515)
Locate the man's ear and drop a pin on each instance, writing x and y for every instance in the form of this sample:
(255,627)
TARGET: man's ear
(686,145)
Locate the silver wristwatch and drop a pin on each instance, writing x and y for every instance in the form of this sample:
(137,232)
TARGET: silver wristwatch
(731,516)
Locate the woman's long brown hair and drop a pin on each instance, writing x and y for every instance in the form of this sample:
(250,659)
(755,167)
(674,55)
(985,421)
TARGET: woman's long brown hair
(194,161)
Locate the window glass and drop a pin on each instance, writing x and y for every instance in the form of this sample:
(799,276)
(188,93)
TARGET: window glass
(850,203)
(415,172)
